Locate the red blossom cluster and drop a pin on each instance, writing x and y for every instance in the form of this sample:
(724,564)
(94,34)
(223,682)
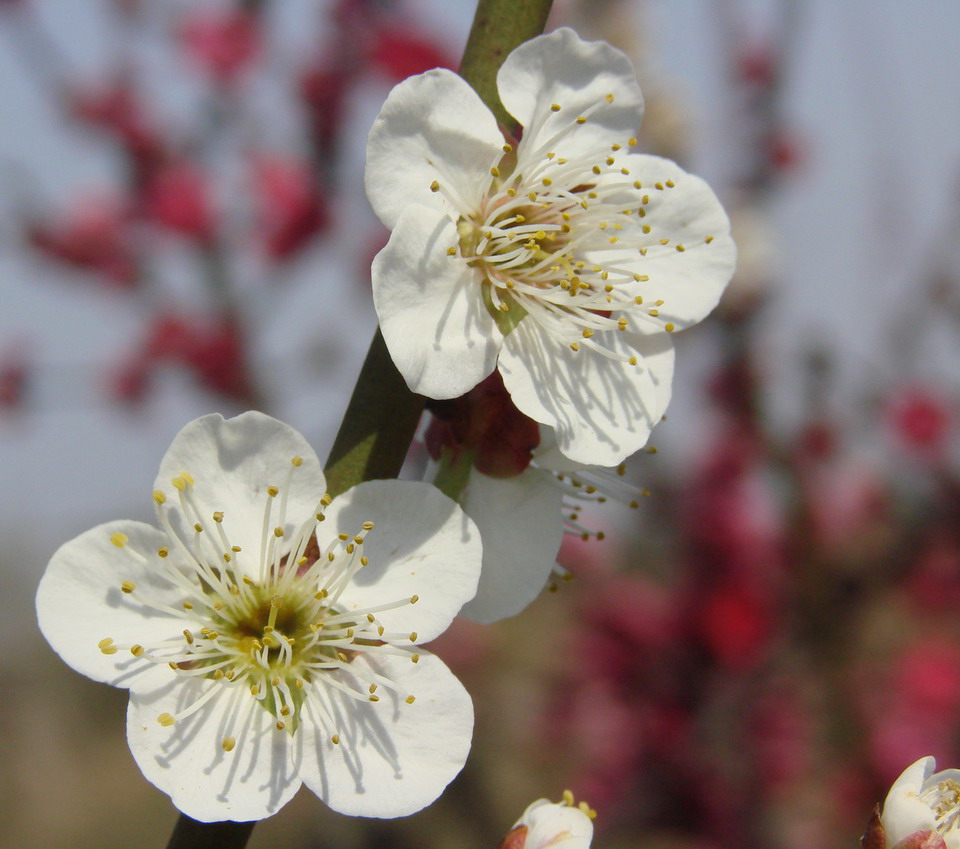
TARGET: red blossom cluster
(172,190)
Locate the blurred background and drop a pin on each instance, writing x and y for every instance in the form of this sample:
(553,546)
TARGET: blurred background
(747,661)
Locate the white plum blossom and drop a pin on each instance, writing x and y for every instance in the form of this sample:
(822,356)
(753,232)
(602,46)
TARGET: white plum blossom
(548,825)
(922,800)
(268,634)
(522,520)
(563,260)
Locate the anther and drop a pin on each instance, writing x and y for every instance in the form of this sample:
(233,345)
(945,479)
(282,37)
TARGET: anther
(272,491)
(554,107)
(165,720)
(218,516)
(159,497)
(228,743)
(435,186)
(128,586)
(296,461)
(410,700)
(118,539)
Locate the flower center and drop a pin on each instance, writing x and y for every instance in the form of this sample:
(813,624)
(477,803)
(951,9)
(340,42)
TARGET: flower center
(273,626)
(566,235)
(944,800)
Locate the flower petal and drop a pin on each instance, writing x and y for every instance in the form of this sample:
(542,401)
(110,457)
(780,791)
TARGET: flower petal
(564,70)
(188,762)
(903,811)
(601,409)
(80,601)
(233,462)
(432,127)
(521,524)
(431,310)
(393,758)
(689,273)
(556,826)
(422,544)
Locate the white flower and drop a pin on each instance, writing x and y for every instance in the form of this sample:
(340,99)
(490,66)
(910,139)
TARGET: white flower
(522,520)
(268,635)
(545,825)
(922,800)
(561,261)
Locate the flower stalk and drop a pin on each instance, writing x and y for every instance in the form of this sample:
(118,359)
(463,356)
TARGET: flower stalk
(382,416)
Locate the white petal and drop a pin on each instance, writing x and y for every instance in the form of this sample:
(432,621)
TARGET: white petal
(556,826)
(187,760)
(431,310)
(601,409)
(562,69)
(903,811)
(80,603)
(233,462)
(521,525)
(547,454)
(689,282)
(432,127)
(393,758)
(422,544)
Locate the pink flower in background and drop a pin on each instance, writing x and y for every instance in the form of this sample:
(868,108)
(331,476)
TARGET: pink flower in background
(402,52)
(118,109)
(177,197)
(223,43)
(921,420)
(292,206)
(213,349)
(92,235)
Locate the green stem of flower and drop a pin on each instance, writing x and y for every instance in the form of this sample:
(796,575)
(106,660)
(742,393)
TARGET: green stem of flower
(378,426)
(498,27)
(454,472)
(382,416)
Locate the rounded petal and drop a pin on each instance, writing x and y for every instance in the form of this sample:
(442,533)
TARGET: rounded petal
(903,812)
(521,525)
(432,127)
(556,826)
(232,463)
(690,273)
(561,69)
(431,310)
(393,758)
(601,409)
(189,763)
(80,601)
(422,544)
